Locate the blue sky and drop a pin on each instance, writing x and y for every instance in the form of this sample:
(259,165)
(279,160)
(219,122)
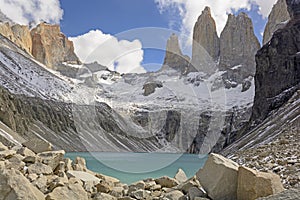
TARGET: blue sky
(91,23)
(115,16)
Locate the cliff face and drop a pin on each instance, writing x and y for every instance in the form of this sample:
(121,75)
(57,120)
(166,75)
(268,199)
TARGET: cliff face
(174,57)
(278,67)
(51,47)
(18,34)
(276,19)
(238,44)
(205,35)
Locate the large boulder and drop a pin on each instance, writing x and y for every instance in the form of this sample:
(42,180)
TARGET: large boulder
(180,176)
(166,182)
(253,184)
(68,192)
(40,168)
(52,158)
(13,185)
(38,145)
(219,177)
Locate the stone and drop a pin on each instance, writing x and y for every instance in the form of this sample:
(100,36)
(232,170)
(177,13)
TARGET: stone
(181,176)
(196,192)
(149,184)
(253,184)
(41,183)
(52,158)
(3,147)
(103,196)
(30,159)
(126,198)
(15,162)
(83,176)
(141,194)
(174,58)
(39,168)
(32,177)
(103,188)
(109,180)
(241,51)
(219,177)
(184,187)
(79,164)
(24,151)
(51,47)
(68,192)
(291,194)
(68,164)
(166,182)
(205,35)
(174,195)
(117,191)
(13,185)
(149,87)
(276,20)
(7,154)
(38,145)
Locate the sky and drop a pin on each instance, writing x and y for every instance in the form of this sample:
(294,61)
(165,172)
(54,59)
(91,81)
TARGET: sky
(113,33)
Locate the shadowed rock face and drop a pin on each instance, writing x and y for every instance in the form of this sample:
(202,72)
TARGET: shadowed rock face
(51,47)
(278,67)
(205,35)
(238,43)
(276,20)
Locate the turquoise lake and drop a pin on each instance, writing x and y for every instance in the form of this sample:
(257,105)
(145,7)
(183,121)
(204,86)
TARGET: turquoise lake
(132,167)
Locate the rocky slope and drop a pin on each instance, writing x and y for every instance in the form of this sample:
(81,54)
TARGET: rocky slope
(276,20)
(49,175)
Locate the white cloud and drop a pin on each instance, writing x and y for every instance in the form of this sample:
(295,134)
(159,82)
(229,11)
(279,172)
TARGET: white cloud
(190,10)
(107,50)
(26,11)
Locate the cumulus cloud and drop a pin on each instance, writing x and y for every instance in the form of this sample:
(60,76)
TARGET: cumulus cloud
(190,10)
(123,56)
(28,11)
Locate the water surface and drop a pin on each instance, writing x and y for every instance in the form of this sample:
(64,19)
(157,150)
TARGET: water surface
(132,167)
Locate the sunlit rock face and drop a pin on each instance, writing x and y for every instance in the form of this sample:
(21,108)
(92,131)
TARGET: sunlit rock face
(276,20)
(51,47)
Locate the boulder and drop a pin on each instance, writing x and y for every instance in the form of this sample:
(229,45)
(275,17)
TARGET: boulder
(103,196)
(7,154)
(103,188)
(24,151)
(166,182)
(39,168)
(13,185)
(68,192)
(219,177)
(52,158)
(174,195)
(291,194)
(181,176)
(109,180)
(38,145)
(83,176)
(196,192)
(79,164)
(253,184)
(141,194)
(41,183)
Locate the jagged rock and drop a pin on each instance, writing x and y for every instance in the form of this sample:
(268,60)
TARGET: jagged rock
(7,154)
(184,187)
(141,194)
(39,168)
(15,162)
(52,158)
(24,151)
(68,192)
(196,192)
(205,35)
(51,47)
(83,176)
(109,180)
(180,176)
(238,44)
(13,185)
(219,177)
(103,187)
(68,164)
(41,183)
(276,20)
(79,164)
(102,196)
(278,68)
(149,87)
(291,194)
(3,147)
(18,34)
(174,57)
(174,195)
(166,182)
(38,145)
(253,184)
